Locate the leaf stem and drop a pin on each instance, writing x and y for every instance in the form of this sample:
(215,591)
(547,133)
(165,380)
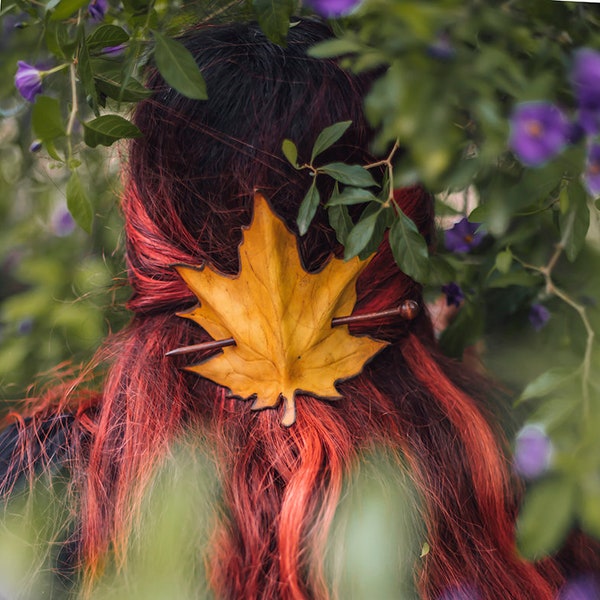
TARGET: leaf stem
(74,108)
(390,168)
(551,288)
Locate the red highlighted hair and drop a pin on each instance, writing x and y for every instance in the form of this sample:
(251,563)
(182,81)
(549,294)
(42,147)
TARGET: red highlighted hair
(189,191)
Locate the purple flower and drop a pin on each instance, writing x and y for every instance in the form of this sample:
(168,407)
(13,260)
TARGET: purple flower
(586,587)
(36,146)
(463,236)
(539,315)
(442,48)
(113,50)
(333,8)
(592,170)
(28,81)
(97,9)
(25,326)
(454,295)
(539,132)
(533,452)
(62,222)
(586,83)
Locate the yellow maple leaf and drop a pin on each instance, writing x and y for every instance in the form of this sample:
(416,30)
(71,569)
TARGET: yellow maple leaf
(280,318)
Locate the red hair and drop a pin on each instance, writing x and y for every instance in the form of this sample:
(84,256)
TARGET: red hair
(189,192)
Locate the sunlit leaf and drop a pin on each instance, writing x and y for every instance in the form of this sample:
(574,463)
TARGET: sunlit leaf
(65,8)
(290,152)
(289,345)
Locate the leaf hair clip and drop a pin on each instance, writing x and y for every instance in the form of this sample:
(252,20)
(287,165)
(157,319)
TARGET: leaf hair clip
(278,325)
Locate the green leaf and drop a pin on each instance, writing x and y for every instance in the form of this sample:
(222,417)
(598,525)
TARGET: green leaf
(329,136)
(84,70)
(589,507)
(575,222)
(352,195)
(65,8)
(308,208)
(133,92)
(463,331)
(360,235)
(273,16)
(504,261)
(521,278)
(78,203)
(340,220)
(46,118)
(106,36)
(348,174)
(409,248)
(334,47)
(545,517)
(290,152)
(440,271)
(107,129)
(178,67)
(546,382)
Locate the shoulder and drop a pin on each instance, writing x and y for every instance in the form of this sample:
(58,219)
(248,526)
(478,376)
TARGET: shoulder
(40,444)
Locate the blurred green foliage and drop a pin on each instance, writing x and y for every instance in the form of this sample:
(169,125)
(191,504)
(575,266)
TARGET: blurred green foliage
(451,74)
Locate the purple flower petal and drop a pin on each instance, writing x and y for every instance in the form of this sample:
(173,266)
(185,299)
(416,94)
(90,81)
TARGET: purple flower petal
(333,8)
(539,315)
(113,50)
(462,592)
(97,9)
(36,146)
(586,587)
(463,236)
(591,175)
(454,294)
(28,81)
(539,132)
(62,222)
(586,83)
(533,452)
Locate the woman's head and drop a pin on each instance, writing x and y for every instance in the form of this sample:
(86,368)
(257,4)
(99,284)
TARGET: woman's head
(194,173)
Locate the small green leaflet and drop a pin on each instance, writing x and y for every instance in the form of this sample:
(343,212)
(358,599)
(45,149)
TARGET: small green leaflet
(308,208)
(65,8)
(78,203)
(329,136)
(340,220)
(290,152)
(178,67)
(352,195)
(574,223)
(409,248)
(360,235)
(546,517)
(349,174)
(273,16)
(106,36)
(107,129)
(47,119)
(547,382)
